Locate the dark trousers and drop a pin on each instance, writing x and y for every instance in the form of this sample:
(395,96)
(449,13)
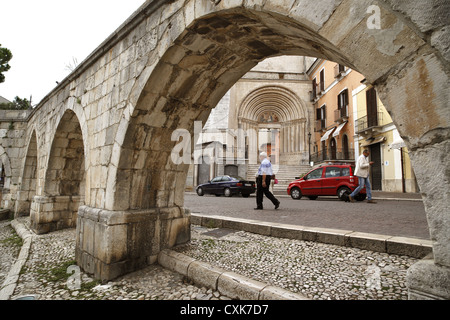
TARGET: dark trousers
(260,191)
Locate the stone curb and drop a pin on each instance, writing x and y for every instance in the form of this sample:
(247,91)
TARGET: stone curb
(8,286)
(412,247)
(283,195)
(227,283)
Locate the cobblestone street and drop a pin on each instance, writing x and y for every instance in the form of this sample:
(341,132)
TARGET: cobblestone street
(316,270)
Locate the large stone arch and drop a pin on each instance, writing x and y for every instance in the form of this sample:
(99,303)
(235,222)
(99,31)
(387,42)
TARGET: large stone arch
(197,49)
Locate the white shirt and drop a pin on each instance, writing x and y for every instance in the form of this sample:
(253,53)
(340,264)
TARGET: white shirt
(362,167)
(265,168)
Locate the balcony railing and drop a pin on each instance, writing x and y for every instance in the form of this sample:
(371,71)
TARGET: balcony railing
(366,122)
(314,92)
(341,114)
(321,87)
(339,70)
(320,125)
(335,154)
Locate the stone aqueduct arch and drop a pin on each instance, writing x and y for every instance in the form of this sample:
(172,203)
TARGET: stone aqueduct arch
(172,61)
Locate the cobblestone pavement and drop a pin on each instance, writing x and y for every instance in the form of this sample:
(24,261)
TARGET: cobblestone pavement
(316,270)
(9,248)
(45,276)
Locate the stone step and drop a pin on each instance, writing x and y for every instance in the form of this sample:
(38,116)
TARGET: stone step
(285,174)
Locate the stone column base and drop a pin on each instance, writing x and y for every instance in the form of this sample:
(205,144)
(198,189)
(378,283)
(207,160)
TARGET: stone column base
(113,243)
(23,204)
(428,281)
(6,199)
(51,213)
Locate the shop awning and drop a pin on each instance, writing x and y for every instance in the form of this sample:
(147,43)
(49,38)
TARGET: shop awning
(327,134)
(339,128)
(374,141)
(398,144)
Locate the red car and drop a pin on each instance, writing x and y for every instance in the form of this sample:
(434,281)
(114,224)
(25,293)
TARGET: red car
(327,180)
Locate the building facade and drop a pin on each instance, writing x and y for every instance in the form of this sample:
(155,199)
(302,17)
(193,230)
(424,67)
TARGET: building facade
(349,117)
(332,85)
(375,131)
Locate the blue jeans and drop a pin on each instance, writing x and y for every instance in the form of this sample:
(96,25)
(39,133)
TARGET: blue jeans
(362,182)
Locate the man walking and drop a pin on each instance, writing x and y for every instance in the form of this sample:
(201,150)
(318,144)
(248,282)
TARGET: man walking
(263,182)
(362,172)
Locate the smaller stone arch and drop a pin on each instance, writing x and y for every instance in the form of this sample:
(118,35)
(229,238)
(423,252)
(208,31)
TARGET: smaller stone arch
(28,178)
(6,166)
(64,185)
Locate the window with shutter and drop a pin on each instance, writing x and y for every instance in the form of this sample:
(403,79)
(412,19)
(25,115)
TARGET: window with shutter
(314,89)
(371,102)
(322,80)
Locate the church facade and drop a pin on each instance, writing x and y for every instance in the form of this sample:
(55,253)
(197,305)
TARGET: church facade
(269,109)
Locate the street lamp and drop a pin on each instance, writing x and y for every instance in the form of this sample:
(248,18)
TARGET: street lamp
(309,147)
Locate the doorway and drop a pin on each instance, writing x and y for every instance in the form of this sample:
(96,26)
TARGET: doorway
(375,172)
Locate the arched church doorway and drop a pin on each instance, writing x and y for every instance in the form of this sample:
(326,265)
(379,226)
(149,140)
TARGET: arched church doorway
(279,119)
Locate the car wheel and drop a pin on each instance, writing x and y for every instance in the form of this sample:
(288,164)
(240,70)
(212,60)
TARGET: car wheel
(245,195)
(227,192)
(361,197)
(312,198)
(342,192)
(296,193)
(200,192)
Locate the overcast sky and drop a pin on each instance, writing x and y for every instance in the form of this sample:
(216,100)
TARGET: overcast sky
(45,35)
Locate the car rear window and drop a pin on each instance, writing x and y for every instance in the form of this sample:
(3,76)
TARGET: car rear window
(345,171)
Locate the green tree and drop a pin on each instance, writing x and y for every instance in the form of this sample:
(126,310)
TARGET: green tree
(5,56)
(17,104)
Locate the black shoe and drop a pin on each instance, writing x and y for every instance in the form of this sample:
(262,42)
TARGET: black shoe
(258,208)
(277,205)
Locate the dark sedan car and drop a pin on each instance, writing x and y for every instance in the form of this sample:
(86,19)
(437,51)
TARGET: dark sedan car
(226,185)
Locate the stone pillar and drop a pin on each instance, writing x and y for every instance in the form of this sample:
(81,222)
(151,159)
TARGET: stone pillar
(430,277)
(112,243)
(296,140)
(51,213)
(417,97)
(23,204)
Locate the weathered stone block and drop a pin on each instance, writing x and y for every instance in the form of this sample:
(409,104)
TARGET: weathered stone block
(428,281)
(204,274)
(417,248)
(175,261)
(313,13)
(426,15)
(236,286)
(110,243)
(331,236)
(366,241)
(275,293)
